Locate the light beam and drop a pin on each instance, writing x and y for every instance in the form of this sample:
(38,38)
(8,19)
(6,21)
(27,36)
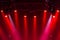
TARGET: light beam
(34,28)
(25,28)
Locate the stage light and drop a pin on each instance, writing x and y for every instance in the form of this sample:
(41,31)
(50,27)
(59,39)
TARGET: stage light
(34,27)
(34,16)
(57,10)
(15,10)
(1,10)
(45,10)
(25,16)
(6,16)
(46,31)
(53,16)
(44,19)
(25,28)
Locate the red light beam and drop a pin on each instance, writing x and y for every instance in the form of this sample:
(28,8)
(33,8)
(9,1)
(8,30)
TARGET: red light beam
(34,28)
(16,19)
(44,19)
(13,30)
(25,28)
(2,34)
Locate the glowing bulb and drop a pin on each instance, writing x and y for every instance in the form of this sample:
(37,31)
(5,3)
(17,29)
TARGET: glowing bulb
(6,16)
(57,10)
(53,16)
(34,16)
(1,10)
(15,10)
(45,10)
(25,16)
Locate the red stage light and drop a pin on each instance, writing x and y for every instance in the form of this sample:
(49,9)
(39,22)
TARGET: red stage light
(25,28)
(1,10)
(53,16)
(25,16)
(57,10)
(6,16)
(15,10)
(34,27)
(45,10)
(34,16)
(44,19)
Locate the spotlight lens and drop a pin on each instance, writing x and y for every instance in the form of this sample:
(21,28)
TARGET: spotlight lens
(25,16)
(15,10)
(53,16)
(57,10)
(1,10)
(6,16)
(34,16)
(45,10)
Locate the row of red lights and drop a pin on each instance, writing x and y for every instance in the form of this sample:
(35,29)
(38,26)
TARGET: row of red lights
(26,16)
(34,17)
(56,10)
(44,10)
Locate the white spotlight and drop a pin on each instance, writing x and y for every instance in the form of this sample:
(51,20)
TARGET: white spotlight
(53,16)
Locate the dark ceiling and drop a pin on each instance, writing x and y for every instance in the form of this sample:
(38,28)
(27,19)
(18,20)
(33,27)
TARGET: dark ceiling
(29,4)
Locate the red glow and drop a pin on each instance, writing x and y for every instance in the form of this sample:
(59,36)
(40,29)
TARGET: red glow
(1,10)
(12,29)
(53,22)
(2,34)
(51,26)
(34,16)
(25,22)
(25,16)
(44,19)
(29,26)
(25,28)
(34,28)
(6,16)
(46,32)
(16,19)
(58,35)
(57,10)
(34,22)
(53,16)
(9,27)
(45,10)
(15,10)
